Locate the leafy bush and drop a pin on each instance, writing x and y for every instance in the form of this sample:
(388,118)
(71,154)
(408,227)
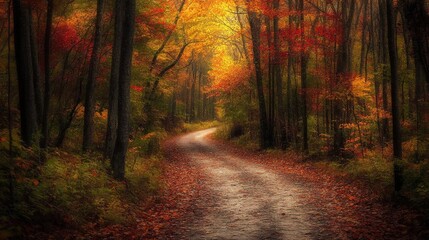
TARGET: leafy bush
(69,190)
(416,182)
(372,167)
(147,145)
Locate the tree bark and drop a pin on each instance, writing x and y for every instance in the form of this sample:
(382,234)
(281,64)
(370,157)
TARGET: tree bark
(112,119)
(121,146)
(280,120)
(383,60)
(36,71)
(396,116)
(304,61)
(11,173)
(24,68)
(47,93)
(255,29)
(88,128)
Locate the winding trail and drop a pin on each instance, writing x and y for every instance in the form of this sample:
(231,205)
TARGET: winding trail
(246,200)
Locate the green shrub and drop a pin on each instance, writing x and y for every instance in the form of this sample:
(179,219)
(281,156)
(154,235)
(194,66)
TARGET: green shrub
(372,167)
(416,182)
(76,191)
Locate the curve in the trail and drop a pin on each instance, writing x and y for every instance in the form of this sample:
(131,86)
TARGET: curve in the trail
(246,200)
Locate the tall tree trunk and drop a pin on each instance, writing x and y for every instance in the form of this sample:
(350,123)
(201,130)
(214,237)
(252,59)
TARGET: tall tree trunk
(290,60)
(11,176)
(280,120)
(384,69)
(112,119)
(303,81)
(271,97)
(36,71)
(121,147)
(396,116)
(88,128)
(47,94)
(24,68)
(255,29)
(363,50)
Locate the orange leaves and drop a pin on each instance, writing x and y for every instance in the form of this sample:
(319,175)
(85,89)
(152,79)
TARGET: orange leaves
(361,88)
(227,75)
(232,79)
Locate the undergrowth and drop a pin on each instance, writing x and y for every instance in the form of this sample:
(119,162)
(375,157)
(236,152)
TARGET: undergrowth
(67,188)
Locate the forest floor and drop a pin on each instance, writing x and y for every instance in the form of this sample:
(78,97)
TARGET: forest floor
(216,190)
(242,194)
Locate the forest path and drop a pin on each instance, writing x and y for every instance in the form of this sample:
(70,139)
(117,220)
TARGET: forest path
(245,200)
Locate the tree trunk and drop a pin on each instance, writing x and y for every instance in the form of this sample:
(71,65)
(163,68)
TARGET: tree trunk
(363,40)
(36,71)
(396,116)
(255,29)
(280,120)
(112,119)
(121,147)
(384,59)
(11,173)
(47,94)
(88,128)
(24,68)
(303,81)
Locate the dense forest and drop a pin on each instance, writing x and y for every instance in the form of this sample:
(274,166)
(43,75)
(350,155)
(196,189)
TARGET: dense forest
(91,90)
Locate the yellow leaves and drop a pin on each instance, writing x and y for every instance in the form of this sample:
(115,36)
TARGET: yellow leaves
(361,88)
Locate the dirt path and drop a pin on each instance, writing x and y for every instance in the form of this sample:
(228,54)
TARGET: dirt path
(246,200)
(243,195)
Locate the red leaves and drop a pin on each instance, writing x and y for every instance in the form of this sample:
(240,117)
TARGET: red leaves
(64,37)
(137,88)
(182,187)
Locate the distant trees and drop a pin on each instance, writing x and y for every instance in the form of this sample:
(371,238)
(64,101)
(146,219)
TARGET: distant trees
(319,76)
